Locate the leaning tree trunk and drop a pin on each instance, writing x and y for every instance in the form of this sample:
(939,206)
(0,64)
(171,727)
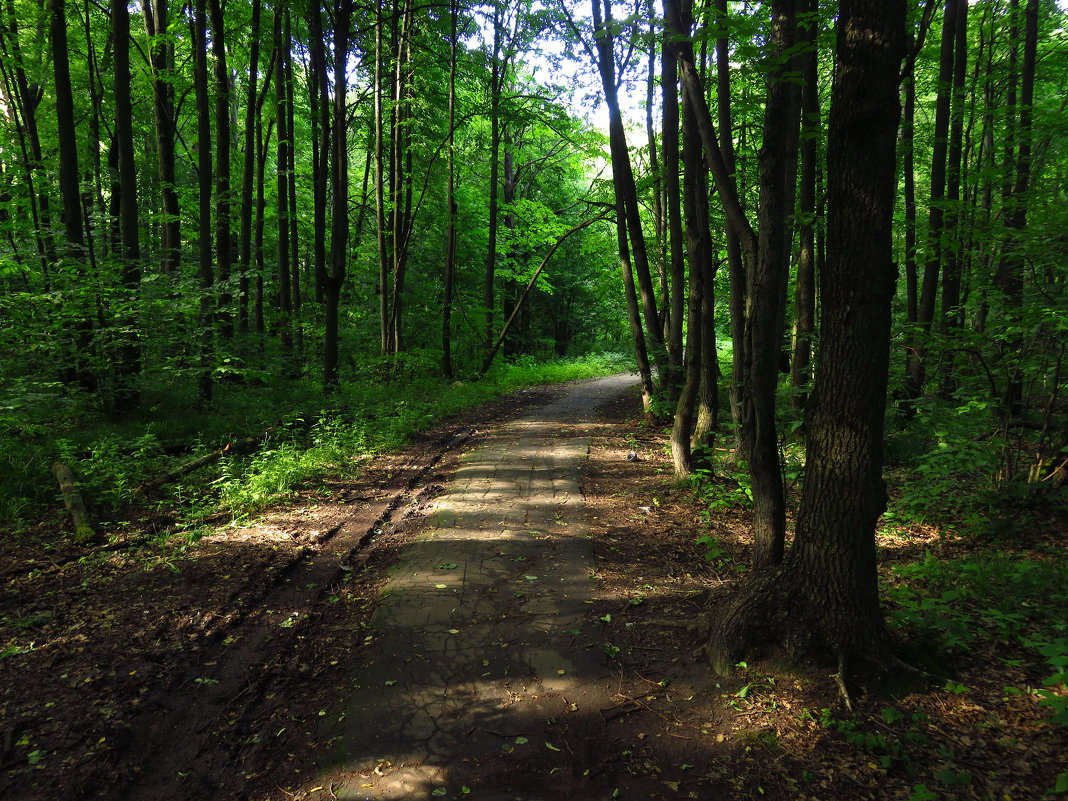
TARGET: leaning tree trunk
(823,597)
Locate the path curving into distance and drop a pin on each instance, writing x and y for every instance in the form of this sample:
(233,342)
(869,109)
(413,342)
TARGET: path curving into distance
(480,680)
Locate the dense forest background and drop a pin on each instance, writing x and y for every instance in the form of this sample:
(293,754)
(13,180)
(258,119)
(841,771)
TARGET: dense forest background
(211,197)
(245,247)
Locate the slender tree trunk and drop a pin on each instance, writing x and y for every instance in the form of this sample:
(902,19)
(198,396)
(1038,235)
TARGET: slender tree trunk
(285,297)
(805,287)
(262,144)
(70,197)
(400,185)
(248,172)
(764,297)
(222,167)
(384,258)
(204,167)
(450,203)
(339,188)
(291,178)
(623,180)
(908,169)
(161,59)
(658,198)
(127,395)
(917,347)
(321,137)
(1011,273)
(676,256)
(699,253)
(951,274)
(498,80)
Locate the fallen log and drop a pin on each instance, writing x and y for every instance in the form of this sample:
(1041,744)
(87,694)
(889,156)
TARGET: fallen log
(72,499)
(235,448)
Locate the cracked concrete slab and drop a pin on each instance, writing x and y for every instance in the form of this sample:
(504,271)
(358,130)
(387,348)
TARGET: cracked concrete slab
(477,635)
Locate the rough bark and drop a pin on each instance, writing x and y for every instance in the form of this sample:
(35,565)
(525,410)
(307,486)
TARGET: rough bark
(823,598)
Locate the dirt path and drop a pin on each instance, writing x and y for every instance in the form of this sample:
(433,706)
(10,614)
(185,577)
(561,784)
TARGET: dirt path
(480,674)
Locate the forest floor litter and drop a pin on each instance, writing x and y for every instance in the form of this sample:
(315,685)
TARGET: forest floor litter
(256,663)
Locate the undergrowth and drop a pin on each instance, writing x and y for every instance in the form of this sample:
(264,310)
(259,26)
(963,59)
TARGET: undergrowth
(377,410)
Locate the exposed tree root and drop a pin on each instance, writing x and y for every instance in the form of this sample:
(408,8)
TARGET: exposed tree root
(840,681)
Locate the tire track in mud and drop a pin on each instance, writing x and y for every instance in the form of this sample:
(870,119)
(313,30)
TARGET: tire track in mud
(168,750)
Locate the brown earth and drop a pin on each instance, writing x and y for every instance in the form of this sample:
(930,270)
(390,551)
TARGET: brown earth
(154,668)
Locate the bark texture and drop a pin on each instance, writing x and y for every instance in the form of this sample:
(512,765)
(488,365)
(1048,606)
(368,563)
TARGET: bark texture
(824,595)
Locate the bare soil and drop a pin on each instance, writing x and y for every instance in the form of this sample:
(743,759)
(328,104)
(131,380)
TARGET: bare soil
(148,669)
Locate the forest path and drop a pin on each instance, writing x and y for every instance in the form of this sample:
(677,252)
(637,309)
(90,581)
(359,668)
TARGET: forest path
(478,676)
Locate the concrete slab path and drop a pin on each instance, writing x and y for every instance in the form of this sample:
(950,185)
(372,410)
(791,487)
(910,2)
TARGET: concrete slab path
(481,649)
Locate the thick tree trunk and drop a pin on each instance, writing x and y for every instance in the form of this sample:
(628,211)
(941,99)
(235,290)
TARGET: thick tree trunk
(823,598)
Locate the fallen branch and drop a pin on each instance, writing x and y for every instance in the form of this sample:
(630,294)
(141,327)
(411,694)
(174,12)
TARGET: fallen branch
(235,448)
(72,499)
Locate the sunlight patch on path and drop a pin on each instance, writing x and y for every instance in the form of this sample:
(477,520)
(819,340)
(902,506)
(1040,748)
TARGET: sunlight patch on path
(479,632)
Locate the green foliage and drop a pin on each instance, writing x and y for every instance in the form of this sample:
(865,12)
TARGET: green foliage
(887,743)
(954,473)
(997,598)
(1003,601)
(368,415)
